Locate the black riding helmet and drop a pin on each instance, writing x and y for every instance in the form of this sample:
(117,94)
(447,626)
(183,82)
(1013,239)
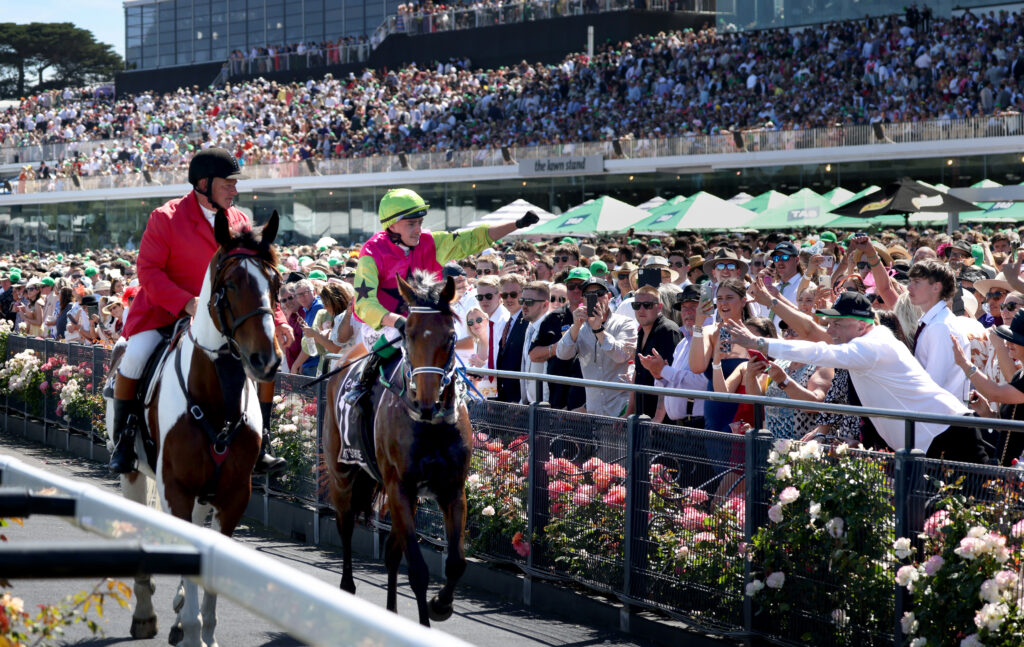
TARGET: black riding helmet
(211,163)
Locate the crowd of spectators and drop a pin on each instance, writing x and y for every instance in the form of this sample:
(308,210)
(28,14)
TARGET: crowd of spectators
(665,85)
(913,320)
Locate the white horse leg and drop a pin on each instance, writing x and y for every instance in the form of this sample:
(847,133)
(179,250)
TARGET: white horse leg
(135,487)
(210,599)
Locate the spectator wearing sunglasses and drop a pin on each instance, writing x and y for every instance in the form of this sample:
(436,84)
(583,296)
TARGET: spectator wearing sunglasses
(558,296)
(557,322)
(992,292)
(668,275)
(535,303)
(487,266)
(785,260)
(932,284)
(488,296)
(605,343)
(677,261)
(566,256)
(657,336)
(621,287)
(509,352)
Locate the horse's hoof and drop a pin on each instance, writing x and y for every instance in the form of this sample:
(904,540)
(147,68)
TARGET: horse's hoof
(439,612)
(176,636)
(143,627)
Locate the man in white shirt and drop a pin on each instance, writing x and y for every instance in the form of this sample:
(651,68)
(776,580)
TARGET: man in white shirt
(885,374)
(786,261)
(931,285)
(677,375)
(497,316)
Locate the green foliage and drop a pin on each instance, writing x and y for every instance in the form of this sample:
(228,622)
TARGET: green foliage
(496,499)
(70,55)
(828,536)
(293,438)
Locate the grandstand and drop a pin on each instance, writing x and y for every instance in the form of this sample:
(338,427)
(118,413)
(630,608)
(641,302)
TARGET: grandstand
(848,104)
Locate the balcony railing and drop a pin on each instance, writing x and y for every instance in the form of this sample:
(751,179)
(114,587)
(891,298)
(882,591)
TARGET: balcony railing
(754,140)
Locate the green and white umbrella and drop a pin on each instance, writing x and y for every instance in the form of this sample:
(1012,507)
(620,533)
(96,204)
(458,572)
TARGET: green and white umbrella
(701,211)
(510,213)
(765,201)
(605,214)
(838,195)
(740,198)
(805,208)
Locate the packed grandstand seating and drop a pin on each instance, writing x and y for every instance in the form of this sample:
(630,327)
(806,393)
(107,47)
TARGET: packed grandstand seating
(666,85)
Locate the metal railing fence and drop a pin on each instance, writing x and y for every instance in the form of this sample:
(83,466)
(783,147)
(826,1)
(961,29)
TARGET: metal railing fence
(650,490)
(753,140)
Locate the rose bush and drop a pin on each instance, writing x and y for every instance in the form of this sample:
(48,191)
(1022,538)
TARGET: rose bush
(293,438)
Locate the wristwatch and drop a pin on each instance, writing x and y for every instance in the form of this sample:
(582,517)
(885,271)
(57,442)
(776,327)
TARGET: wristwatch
(762,345)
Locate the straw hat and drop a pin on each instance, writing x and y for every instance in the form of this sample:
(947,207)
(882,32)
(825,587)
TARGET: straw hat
(655,261)
(883,254)
(108,309)
(724,254)
(1000,282)
(694,262)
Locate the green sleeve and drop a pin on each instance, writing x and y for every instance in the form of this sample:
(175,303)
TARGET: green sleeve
(461,244)
(368,308)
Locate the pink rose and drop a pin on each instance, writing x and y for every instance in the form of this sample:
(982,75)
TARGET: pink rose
(935,523)
(584,495)
(520,545)
(559,487)
(692,519)
(616,496)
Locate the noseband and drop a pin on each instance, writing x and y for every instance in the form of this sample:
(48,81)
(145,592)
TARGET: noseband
(223,308)
(447,372)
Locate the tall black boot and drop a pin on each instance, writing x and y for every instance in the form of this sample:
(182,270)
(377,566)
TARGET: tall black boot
(366,379)
(267,464)
(122,459)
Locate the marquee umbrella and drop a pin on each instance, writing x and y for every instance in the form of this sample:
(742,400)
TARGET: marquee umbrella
(767,200)
(699,211)
(805,208)
(838,195)
(605,214)
(903,197)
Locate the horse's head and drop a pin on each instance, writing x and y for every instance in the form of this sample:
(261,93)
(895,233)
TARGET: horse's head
(243,283)
(429,340)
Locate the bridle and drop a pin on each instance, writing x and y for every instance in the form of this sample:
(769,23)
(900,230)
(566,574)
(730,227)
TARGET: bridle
(447,372)
(222,307)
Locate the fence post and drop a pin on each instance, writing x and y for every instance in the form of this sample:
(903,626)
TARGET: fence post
(757,443)
(321,399)
(638,491)
(537,503)
(904,475)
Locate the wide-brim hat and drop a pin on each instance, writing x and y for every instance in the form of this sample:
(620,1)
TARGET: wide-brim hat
(1015,331)
(659,262)
(1000,282)
(108,309)
(625,267)
(694,262)
(962,245)
(880,249)
(724,254)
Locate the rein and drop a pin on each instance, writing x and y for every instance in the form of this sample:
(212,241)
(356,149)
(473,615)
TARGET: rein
(221,306)
(447,373)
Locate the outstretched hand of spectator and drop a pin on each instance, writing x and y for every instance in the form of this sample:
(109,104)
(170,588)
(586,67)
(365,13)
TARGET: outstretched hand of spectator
(1011,270)
(759,292)
(740,335)
(654,363)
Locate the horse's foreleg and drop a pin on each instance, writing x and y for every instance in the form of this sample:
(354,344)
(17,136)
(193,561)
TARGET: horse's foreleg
(403,531)
(455,565)
(392,560)
(187,628)
(134,488)
(345,519)
(209,618)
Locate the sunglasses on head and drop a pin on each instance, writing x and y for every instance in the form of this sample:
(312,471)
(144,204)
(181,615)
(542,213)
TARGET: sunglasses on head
(558,299)
(1010,307)
(757,263)
(529,302)
(782,258)
(646,305)
(564,259)
(725,266)
(488,297)
(509,295)
(471,321)
(995,296)
(622,276)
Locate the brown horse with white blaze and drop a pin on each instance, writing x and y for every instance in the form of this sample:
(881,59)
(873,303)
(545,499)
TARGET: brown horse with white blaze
(423,446)
(203,415)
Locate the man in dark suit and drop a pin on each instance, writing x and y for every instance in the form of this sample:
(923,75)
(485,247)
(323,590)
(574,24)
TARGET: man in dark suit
(510,347)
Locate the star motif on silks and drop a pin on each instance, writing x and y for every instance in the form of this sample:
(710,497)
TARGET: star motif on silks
(363,291)
(455,236)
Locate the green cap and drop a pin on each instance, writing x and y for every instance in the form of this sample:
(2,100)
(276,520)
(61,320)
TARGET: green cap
(46,281)
(568,240)
(598,268)
(634,241)
(322,248)
(655,242)
(399,204)
(91,271)
(303,259)
(578,274)
(282,269)
(828,237)
(318,274)
(333,261)
(60,257)
(14,277)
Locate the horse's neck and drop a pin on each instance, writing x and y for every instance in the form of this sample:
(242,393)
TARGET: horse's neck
(203,329)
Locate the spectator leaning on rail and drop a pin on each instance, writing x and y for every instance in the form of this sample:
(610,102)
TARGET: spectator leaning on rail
(932,284)
(402,248)
(605,343)
(885,374)
(174,255)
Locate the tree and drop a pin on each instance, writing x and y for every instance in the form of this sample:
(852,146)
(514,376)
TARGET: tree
(56,54)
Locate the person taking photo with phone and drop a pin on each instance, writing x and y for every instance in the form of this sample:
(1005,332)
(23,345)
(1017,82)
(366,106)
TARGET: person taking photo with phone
(604,343)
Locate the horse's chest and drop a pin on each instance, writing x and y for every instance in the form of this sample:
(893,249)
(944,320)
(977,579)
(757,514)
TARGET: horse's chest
(438,463)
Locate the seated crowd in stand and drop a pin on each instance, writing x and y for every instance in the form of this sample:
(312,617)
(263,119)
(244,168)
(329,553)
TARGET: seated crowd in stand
(914,320)
(666,85)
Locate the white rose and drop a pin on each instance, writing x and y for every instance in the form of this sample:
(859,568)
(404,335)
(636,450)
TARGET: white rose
(903,548)
(909,624)
(906,575)
(972,641)
(834,527)
(775,513)
(488,511)
(991,616)
(842,449)
(784,473)
(918,642)
(782,445)
(839,617)
(754,587)
(814,510)
(775,580)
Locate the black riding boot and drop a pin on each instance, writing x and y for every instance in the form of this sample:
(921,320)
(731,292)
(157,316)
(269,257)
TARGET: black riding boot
(122,459)
(366,379)
(267,464)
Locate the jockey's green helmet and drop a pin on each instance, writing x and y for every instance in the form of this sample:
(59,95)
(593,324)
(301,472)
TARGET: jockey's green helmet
(399,204)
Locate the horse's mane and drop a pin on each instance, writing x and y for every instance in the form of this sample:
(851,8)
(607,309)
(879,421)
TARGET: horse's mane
(426,290)
(248,240)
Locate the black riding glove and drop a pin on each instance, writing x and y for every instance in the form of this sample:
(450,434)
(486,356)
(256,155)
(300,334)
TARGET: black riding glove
(400,325)
(529,218)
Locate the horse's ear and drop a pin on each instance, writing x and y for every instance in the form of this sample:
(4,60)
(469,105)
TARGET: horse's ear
(221,229)
(269,232)
(405,290)
(448,293)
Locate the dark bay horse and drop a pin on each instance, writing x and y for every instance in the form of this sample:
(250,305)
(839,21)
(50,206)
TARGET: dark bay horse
(423,441)
(203,416)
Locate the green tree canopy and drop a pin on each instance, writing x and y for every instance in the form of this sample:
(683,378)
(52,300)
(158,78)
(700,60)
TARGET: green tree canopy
(40,56)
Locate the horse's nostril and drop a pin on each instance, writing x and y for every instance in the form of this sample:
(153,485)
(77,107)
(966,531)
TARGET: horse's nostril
(256,360)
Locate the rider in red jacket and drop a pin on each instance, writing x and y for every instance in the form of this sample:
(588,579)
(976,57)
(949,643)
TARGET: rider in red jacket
(174,255)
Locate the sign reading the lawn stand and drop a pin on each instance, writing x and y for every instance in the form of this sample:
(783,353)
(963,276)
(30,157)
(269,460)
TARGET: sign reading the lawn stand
(573,165)
(802,214)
